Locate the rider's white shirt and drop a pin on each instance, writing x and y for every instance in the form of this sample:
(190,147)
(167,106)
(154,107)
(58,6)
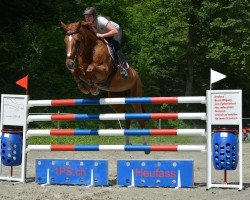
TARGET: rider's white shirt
(102,27)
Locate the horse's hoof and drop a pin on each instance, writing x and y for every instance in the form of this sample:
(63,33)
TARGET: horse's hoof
(82,88)
(84,91)
(95,92)
(147,152)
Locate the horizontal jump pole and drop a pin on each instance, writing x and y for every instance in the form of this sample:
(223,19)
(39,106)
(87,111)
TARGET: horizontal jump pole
(57,147)
(112,101)
(116,116)
(116,132)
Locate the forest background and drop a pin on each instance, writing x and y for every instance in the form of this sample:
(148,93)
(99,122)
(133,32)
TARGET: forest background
(171,43)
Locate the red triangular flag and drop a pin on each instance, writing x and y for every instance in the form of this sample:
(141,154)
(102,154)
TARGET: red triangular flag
(23,82)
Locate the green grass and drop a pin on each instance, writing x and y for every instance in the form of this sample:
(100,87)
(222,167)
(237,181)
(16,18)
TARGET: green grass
(118,139)
(114,140)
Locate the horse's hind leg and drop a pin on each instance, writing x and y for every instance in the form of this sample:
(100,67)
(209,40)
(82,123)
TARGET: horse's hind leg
(121,109)
(142,125)
(138,108)
(137,91)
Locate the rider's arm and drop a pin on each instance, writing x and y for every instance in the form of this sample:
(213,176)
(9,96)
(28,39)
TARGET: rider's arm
(111,31)
(106,28)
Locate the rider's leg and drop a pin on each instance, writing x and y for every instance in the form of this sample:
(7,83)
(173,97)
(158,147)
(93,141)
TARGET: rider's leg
(122,63)
(111,47)
(116,49)
(121,59)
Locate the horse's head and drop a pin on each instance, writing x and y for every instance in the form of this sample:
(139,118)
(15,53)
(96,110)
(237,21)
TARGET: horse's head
(77,34)
(73,41)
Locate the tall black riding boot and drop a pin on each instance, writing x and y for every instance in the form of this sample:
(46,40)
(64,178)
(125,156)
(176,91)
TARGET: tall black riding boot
(122,63)
(116,52)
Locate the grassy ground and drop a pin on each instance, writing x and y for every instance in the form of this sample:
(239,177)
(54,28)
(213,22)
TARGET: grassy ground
(114,140)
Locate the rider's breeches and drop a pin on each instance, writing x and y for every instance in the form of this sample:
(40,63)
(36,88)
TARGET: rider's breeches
(117,52)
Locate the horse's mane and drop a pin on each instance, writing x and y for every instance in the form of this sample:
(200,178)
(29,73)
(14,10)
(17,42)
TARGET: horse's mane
(89,27)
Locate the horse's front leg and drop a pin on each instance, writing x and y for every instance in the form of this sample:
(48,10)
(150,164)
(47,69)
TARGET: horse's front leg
(82,86)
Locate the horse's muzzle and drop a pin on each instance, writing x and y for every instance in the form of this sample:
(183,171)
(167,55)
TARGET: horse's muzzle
(71,64)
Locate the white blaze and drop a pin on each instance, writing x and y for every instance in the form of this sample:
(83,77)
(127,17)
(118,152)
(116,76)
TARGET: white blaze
(69,49)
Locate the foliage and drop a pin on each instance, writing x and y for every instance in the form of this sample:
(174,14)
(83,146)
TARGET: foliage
(156,41)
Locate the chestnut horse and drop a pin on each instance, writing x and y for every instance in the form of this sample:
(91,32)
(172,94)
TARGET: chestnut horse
(96,69)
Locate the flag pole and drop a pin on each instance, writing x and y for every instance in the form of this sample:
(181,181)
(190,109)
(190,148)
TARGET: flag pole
(210,79)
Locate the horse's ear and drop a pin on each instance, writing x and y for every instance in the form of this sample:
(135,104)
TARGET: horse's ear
(64,26)
(79,24)
(82,22)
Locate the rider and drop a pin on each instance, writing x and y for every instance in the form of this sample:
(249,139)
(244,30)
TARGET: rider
(111,32)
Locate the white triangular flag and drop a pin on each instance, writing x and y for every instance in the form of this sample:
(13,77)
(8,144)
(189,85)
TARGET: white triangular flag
(216,76)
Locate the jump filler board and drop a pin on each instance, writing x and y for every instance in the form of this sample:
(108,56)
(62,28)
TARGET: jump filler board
(155,173)
(72,172)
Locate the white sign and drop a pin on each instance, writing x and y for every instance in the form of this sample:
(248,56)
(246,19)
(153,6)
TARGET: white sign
(14,110)
(226,107)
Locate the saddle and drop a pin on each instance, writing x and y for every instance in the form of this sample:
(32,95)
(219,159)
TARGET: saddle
(112,46)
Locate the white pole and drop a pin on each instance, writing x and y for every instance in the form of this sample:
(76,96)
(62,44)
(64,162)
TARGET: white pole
(24,155)
(209,149)
(240,148)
